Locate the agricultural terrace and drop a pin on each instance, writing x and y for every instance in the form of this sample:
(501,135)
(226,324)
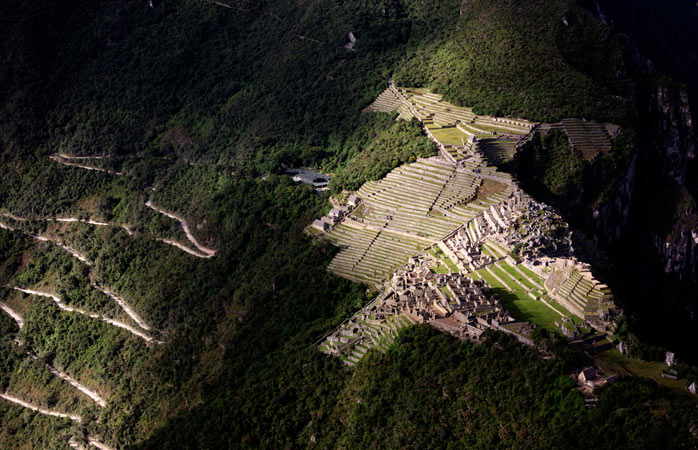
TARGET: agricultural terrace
(409,210)
(459,209)
(589,138)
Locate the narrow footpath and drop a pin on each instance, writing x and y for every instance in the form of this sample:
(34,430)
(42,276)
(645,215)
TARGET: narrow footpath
(12,313)
(67,308)
(94,396)
(13,399)
(204,251)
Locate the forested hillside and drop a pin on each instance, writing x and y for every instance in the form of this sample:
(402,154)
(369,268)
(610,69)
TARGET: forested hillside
(113,112)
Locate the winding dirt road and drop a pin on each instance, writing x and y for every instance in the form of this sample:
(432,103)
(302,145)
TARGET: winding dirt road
(64,156)
(127,309)
(90,393)
(73,252)
(72,443)
(59,160)
(94,396)
(13,399)
(203,252)
(90,440)
(67,308)
(12,313)
(95,443)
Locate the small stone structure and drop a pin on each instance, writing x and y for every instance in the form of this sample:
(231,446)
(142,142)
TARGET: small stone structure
(353,201)
(587,374)
(336,215)
(321,225)
(669,359)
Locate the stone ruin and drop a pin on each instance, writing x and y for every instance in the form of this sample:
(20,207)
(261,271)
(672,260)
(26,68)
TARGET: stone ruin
(452,303)
(336,215)
(463,245)
(571,283)
(539,231)
(519,224)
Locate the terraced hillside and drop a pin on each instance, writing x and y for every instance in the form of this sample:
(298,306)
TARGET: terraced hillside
(588,138)
(464,213)
(410,209)
(156,286)
(458,130)
(579,291)
(452,303)
(480,253)
(418,204)
(367,255)
(498,150)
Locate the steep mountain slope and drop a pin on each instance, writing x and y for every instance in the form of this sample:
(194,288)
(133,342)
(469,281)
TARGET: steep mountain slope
(639,202)
(195,107)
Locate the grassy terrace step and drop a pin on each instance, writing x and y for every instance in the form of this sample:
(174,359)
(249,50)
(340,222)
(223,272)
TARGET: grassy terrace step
(374,259)
(512,273)
(521,306)
(427,172)
(497,249)
(486,251)
(412,181)
(416,199)
(492,250)
(532,278)
(412,222)
(506,270)
(502,280)
(512,281)
(424,197)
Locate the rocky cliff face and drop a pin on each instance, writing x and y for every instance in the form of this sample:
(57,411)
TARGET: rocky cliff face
(649,222)
(609,221)
(671,149)
(638,203)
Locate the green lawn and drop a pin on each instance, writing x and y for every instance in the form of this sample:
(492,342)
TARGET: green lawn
(449,136)
(532,275)
(514,274)
(486,250)
(497,249)
(450,264)
(575,319)
(613,362)
(520,305)
(440,269)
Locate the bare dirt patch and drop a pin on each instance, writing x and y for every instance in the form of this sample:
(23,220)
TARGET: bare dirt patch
(489,188)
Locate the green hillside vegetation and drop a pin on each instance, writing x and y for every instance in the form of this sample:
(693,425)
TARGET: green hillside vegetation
(391,143)
(553,171)
(520,59)
(157,380)
(258,89)
(432,391)
(194,101)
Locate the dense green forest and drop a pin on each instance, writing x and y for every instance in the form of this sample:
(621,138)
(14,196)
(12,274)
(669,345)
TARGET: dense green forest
(121,80)
(432,391)
(200,105)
